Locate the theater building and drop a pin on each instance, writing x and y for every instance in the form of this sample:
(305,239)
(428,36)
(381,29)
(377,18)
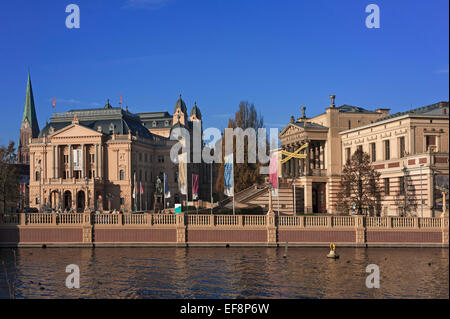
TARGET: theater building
(316,177)
(410,150)
(93,158)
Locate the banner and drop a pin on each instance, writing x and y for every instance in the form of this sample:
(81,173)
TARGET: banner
(273,174)
(182,173)
(166,187)
(194,186)
(228,177)
(77,160)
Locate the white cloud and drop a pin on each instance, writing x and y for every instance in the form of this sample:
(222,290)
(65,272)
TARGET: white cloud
(440,71)
(146,4)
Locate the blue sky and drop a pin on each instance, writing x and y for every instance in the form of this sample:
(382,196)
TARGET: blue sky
(278,55)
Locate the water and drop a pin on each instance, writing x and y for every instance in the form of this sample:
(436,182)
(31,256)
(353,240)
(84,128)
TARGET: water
(227,273)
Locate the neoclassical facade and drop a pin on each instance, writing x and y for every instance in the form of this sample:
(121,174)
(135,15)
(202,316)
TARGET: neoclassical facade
(410,150)
(316,177)
(93,158)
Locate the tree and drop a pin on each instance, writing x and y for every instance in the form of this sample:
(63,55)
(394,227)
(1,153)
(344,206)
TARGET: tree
(405,199)
(245,174)
(359,186)
(9,175)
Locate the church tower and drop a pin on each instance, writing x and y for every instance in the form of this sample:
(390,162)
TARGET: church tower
(29,128)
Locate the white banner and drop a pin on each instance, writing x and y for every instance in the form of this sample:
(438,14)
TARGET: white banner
(77,160)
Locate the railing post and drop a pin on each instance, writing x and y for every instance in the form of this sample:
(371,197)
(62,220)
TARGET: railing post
(53,218)
(329,222)
(211,221)
(120,219)
(444,225)
(87,228)
(240,220)
(416,222)
(360,230)
(181,228)
(271,228)
(23,219)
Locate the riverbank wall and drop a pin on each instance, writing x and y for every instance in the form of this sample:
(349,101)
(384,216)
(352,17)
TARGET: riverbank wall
(181,230)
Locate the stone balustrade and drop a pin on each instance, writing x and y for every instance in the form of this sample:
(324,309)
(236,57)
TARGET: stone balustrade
(359,230)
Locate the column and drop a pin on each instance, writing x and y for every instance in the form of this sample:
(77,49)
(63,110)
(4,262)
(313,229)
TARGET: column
(322,153)
(296,162)
(57,162)
(83,158)
(53,161)
(70,160)
(308,198)
(96,160)
(100,160)
(307,164)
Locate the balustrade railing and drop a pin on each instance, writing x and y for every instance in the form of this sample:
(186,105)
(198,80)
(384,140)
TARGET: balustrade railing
(207,220)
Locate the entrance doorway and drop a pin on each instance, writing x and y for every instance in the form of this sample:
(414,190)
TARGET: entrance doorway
(81,200)
(67,200)
(319,198)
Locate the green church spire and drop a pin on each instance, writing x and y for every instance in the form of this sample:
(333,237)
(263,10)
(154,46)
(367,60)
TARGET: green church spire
(29,111)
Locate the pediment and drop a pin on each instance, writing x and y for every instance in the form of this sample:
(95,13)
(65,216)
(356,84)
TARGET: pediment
(291,129)
(75,130)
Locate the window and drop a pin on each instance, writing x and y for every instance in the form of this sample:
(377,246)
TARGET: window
(37,176)
(402,146)
(402,185)
(349,124)
(140,157)
(122,175)
(386,186)
(122,201)
(359,148)
(430,141)
(90,174)
(387,150)
(160,159)
(347,156)
(373,152)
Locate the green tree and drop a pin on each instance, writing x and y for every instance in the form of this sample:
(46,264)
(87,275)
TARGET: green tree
(9,175)
(245,174)
(359,186)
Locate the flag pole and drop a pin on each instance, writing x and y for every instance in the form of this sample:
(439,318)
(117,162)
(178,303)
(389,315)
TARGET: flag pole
(164,192)
(211,191)
(140,196)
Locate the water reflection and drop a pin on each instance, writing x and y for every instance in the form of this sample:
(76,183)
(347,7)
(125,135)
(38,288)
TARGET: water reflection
(227,273)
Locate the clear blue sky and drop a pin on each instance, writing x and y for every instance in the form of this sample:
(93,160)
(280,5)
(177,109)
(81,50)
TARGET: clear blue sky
(278,55)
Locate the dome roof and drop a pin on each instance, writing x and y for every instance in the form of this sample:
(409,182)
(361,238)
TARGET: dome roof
(180,105)
(196,111)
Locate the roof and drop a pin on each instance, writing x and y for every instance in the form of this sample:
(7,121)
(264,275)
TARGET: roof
(180,105)
(432,109)
(108,119)
(29,111)
(196,111)
(310,125)
(345,108)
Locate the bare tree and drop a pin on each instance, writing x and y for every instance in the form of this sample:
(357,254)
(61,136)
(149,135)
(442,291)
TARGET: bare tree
(405,198)
(9,175)
(359,186)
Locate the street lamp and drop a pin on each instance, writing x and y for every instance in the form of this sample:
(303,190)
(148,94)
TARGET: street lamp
(40,185)
(86,208)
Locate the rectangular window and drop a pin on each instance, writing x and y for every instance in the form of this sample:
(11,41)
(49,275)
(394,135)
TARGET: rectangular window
(360,148)
(386,186)
(373,152)
(347,154)
(349,124)
(160,159)
(430,141)
(387,150)
(402,146)
(122,175)
(122,201)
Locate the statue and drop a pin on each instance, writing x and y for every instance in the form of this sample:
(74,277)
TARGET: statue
(158,187)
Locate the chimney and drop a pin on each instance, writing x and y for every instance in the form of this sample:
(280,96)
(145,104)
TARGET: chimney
(332,97)
(303,108)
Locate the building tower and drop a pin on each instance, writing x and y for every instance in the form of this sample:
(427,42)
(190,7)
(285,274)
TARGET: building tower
(180,113)
(29,127)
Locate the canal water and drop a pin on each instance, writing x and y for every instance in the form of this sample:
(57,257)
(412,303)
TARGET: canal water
(226,272)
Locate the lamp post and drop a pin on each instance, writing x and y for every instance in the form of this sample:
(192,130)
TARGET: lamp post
(40,185)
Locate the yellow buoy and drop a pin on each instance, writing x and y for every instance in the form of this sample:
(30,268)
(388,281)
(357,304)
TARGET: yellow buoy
(332,253)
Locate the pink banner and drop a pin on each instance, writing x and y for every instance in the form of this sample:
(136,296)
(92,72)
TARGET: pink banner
(194,186)
(273,172)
